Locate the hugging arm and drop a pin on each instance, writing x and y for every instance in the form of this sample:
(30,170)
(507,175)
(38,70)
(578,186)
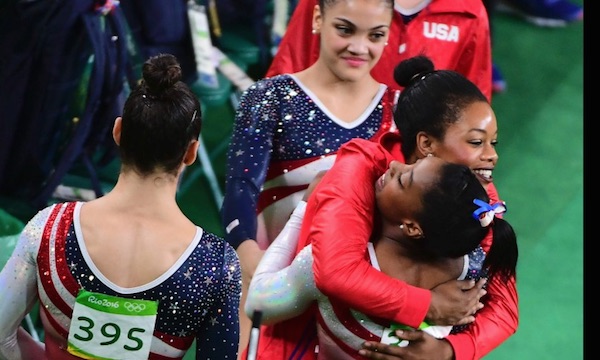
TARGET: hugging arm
(283,286)
(495,323)
(338,223)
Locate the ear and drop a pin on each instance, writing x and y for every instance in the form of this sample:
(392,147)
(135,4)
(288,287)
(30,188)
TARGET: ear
(317,19)
(191,153)
(425,144)
(412,229)
(117,130)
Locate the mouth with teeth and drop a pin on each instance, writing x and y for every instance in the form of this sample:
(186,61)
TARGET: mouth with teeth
(484,175)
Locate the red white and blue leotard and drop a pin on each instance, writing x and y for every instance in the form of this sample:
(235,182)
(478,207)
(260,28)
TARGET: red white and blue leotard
(283,136)
(282,290)
(198,296)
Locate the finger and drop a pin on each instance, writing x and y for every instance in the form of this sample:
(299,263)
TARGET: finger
(466,320)
(377,350)
(410,335)
(467,284)
(482,293)
(481,283)
(373,354)
(370,354)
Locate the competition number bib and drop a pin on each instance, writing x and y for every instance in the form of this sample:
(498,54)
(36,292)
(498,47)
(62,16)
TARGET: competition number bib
(110,327)
(389,334)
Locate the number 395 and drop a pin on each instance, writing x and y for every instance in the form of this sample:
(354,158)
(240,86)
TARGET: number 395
(111,331)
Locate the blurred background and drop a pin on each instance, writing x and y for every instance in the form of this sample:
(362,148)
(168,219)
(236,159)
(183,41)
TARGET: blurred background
(540,172)
(540,175)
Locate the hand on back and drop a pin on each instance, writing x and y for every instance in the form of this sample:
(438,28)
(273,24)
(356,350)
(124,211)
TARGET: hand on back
(421,346)
(455,302)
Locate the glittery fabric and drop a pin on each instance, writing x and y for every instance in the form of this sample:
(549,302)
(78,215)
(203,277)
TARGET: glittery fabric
(475,272)
(282,291)
(279,290)
(198,296)
(282,137)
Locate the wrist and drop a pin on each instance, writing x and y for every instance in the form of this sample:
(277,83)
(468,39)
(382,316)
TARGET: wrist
(448,350)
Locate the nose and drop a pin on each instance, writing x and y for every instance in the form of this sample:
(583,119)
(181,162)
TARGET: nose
(395,166)
(490,154)
(358,45)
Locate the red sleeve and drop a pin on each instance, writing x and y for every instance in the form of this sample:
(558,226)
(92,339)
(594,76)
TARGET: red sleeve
(338,222)
(299,47)
(496,322)
(479,68)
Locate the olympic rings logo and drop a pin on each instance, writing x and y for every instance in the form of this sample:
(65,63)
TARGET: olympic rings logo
(134,307)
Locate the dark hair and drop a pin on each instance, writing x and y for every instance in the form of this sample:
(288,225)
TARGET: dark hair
(449,228)
(161,117)
(430,101)
(324,4)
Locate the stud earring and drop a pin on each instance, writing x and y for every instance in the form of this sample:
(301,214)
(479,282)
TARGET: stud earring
(314,31)
(429,155)
(401,226)
(385,44)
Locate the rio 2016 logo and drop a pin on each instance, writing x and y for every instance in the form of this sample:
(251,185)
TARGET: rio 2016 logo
(104,302)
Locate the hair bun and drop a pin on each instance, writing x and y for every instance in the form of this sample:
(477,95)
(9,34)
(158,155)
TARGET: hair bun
(161,72)
(407,69)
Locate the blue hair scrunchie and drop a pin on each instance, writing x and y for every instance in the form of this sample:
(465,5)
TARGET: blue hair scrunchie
(486,212)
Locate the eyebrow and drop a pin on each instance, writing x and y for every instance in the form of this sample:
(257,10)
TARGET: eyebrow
(481,131)
(350,23)
(379,27)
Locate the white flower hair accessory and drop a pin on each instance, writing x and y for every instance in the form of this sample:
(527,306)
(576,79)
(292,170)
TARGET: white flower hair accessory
(486,212)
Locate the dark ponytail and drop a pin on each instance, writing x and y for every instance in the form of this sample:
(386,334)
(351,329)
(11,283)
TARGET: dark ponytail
(501,259)
(456,217)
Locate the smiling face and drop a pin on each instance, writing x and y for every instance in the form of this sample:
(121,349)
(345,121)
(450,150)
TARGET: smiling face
(353,35)
(399,192)
(471,141)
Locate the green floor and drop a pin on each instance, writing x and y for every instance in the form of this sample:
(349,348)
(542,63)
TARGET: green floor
(540,175)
